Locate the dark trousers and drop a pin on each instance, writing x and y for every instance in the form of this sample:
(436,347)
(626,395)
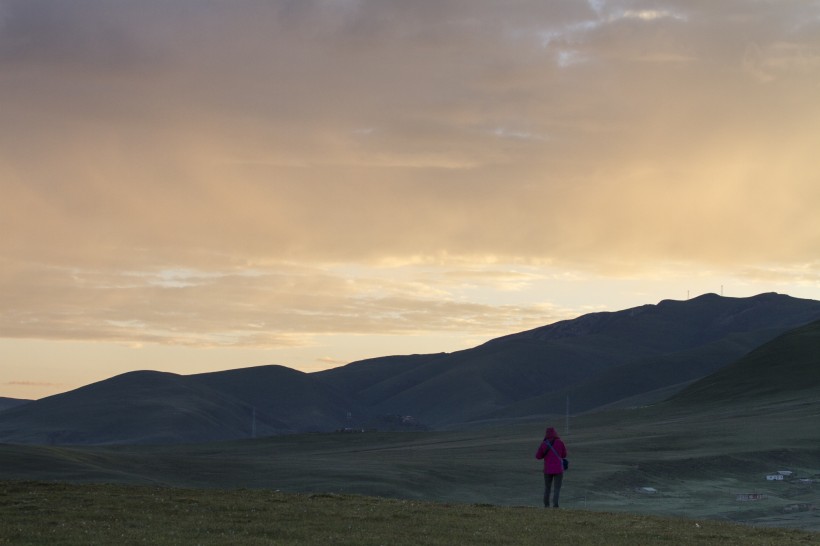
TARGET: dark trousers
(549,479)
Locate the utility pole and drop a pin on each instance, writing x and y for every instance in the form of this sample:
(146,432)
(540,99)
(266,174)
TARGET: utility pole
(566,427)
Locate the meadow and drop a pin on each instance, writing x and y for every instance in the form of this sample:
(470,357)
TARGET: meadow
(42,513)
(696,463)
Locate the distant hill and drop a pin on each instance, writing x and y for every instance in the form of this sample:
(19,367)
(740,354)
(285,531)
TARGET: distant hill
(596,360)
(157,408)
(7,403)
(786,366)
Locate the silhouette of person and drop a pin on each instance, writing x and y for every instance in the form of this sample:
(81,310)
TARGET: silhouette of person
(553,451)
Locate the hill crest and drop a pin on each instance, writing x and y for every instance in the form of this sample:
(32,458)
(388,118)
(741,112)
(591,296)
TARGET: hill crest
(595,360)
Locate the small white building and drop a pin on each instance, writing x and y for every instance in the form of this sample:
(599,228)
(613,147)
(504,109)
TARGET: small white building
(775,477)
(785,472)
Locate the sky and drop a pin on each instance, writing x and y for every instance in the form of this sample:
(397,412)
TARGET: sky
(192,186)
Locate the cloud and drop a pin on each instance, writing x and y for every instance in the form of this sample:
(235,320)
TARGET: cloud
(807,274)
(782,59)
(31,384)
(199,173)
(331,362)
(284,307)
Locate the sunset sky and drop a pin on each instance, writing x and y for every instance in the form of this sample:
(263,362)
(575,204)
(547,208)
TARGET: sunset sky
(193,186)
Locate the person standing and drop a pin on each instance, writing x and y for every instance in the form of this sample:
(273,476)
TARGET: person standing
(553,451)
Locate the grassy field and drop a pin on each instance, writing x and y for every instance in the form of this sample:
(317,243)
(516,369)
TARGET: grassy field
(697,462)
(41,513)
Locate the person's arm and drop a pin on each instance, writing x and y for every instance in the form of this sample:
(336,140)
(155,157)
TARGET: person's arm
(542,450)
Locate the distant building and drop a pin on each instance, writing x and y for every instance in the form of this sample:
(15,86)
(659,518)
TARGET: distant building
(775,477)
(799,507)
(785,472)
(744,497)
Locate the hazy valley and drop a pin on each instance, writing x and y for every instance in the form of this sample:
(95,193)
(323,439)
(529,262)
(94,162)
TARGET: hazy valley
(631,357)
(683,408)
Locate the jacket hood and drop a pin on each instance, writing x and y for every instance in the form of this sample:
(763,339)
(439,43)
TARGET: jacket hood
(551,434)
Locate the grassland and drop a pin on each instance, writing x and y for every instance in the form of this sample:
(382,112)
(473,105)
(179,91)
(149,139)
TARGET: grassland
(696,461)
(41,513)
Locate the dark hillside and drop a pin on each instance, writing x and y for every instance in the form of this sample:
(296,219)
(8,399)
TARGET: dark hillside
(282,395)
(137,407)
(640,376)
(8,403)
(359,376)
(156,407)
(787,365)
(469,384)
(597,359)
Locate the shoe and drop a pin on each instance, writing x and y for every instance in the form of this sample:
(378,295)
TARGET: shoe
(555,506)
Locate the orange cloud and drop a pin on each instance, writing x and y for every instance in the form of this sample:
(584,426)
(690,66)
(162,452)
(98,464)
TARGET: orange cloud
(256,150)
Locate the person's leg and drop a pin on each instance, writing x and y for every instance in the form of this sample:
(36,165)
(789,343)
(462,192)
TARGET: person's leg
(559,479)
(547,487)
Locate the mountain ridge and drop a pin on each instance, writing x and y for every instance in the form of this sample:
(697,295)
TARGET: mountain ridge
(595,359)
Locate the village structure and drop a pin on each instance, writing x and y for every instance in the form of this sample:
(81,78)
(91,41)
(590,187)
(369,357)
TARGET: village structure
(785,476)
(743,497)
(781,476)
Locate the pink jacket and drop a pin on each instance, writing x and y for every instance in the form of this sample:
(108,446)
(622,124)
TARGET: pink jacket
(552,463)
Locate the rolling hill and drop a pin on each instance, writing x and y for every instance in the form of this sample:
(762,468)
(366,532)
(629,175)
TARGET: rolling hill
(596,360)
(148,407)
(788,366)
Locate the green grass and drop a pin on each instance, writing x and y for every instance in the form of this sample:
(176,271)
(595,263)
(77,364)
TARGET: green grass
(49,513)
(698,462)
(789,363)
